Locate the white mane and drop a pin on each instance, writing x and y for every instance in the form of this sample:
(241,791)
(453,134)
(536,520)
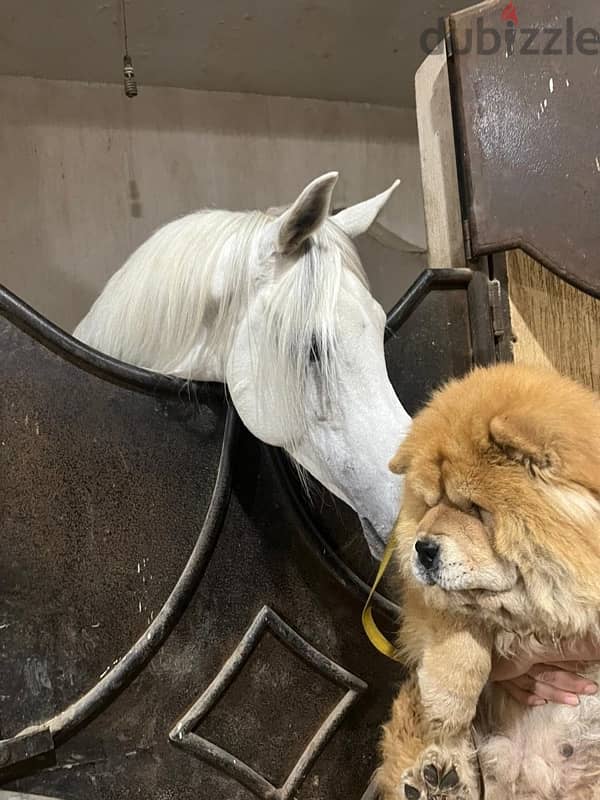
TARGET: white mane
(177,302)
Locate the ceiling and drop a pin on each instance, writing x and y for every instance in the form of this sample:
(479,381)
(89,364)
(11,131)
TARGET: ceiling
(357,50)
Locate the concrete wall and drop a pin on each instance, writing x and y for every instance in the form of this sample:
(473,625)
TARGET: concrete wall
(87,175)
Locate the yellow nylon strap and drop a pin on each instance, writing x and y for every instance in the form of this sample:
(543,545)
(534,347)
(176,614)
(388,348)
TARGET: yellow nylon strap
(376,637)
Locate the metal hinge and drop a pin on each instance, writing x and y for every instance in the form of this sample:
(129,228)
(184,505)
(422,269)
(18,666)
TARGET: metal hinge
(467,238)
(497,311)
(449,47)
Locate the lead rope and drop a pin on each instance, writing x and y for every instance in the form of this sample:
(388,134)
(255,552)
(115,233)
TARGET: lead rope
(376,637)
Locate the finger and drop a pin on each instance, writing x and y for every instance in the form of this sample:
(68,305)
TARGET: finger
(521,696)
(562,679)
(575,650)
(547,692)
(572,666)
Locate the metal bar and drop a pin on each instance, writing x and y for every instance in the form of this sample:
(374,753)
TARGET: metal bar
(184,737)
(223,680)
(499,272)
(93,361)
(23,747)
(316,746)
(371,793)
(483,344)
(20,796)
(217,757)
(429,280)
(311,656)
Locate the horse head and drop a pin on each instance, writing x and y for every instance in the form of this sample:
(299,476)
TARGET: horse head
(307,370)
(278,307)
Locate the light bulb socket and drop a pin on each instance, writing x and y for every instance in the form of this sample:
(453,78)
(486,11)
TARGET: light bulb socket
(129,81)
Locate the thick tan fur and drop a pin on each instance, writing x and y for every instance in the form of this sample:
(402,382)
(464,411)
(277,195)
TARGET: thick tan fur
(502,474)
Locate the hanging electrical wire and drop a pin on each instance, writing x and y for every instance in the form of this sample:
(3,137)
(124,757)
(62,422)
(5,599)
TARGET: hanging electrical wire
(129,80)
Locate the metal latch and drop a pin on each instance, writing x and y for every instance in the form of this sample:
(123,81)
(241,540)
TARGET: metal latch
(25,746)
(495,295)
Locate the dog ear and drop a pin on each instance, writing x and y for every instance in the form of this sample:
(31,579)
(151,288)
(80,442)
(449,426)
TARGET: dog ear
(400,462)
(425,477)
(523,439)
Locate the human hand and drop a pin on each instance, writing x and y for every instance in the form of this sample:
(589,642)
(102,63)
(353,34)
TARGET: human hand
(554,677)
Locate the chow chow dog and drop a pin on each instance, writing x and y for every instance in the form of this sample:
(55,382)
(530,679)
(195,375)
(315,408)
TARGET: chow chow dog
(497,547)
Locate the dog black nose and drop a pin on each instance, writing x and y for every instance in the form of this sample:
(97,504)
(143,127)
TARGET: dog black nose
(428,552)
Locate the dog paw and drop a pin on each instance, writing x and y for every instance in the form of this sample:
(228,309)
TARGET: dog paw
(434,777)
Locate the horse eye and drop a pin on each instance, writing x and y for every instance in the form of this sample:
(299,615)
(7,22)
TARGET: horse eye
(315,352)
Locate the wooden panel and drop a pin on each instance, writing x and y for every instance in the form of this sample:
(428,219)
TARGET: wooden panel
(443,216)
(553,323)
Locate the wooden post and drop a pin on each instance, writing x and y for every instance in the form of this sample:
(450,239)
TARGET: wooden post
(443,218)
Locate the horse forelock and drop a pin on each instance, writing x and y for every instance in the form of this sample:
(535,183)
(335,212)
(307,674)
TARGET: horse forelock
(301,327)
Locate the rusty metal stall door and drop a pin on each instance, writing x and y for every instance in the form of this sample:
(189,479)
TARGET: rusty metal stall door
(526,94)
(177,621)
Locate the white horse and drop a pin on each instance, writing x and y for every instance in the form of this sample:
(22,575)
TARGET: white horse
(279,309)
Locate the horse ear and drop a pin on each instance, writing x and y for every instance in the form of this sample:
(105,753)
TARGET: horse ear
(305,216)
(357,219)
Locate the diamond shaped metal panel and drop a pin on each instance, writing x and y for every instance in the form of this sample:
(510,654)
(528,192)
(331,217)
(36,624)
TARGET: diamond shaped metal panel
(184,737)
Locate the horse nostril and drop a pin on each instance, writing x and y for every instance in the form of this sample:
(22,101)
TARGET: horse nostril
(428,552)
